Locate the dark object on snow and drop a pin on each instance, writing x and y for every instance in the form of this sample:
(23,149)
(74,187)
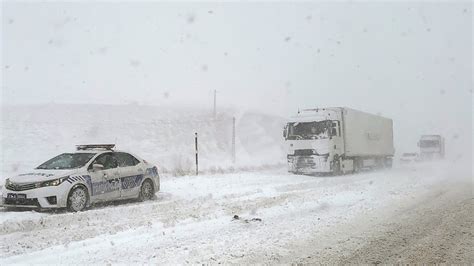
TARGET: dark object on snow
(236,217)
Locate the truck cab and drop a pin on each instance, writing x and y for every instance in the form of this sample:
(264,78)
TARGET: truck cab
(314,141)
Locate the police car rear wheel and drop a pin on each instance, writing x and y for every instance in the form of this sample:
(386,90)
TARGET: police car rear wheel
(77,200)
(146,191)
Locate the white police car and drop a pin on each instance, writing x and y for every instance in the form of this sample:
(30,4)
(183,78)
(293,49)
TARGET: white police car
(94,173)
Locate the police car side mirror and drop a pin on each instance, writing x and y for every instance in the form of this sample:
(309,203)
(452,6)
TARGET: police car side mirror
(97,167)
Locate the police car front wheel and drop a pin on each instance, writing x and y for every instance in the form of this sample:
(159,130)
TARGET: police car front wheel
(77,200)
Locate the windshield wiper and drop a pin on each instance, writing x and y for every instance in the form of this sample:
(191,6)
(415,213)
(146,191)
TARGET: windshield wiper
(298,137)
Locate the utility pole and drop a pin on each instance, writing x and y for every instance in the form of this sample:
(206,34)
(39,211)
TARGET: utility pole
(233,139)
(196,149)
(215,104)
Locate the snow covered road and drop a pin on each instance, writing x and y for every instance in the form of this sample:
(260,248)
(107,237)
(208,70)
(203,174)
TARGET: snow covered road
(353,218)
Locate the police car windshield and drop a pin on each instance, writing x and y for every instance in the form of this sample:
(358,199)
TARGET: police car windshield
(67,161)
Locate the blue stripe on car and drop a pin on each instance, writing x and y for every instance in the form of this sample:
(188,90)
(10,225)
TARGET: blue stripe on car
(129,182)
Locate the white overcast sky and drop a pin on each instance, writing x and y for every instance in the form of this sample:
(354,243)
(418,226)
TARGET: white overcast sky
(410,61)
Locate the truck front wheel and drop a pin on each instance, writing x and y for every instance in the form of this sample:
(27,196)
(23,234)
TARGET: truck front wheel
(336,166)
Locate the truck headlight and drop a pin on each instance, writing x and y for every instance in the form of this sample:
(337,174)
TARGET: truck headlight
(325,157)
(289,158)
(52,183)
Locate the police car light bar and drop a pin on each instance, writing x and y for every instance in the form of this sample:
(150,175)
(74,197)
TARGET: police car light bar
(95,146)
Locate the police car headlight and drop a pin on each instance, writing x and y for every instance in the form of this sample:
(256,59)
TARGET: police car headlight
(52,183)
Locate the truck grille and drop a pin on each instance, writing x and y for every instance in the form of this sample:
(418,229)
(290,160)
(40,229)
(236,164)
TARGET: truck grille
(303,162)
(20,187)
(307,152)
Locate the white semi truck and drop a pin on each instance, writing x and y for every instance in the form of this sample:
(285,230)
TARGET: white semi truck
(431,147)
(338,140)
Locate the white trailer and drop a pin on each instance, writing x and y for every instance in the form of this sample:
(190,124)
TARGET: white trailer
(431,147)
(338,140)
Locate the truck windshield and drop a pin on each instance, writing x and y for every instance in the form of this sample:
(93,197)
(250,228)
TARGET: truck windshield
(309,130)
(67,161)
(429,143)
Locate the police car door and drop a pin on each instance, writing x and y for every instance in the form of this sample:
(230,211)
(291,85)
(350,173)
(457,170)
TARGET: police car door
(131,174)
(105,178)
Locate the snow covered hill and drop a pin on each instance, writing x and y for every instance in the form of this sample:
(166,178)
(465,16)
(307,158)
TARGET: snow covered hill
(162,135)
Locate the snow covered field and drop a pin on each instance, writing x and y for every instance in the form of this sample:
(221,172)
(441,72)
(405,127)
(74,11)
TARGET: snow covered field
(282,218)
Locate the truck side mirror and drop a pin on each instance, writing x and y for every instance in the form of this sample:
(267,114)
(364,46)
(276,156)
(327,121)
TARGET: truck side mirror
(285,131)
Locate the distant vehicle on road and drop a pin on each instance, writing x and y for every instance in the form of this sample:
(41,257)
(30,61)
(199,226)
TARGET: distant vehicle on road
(338,140)
(94,173)
(431,147)
(409,157)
